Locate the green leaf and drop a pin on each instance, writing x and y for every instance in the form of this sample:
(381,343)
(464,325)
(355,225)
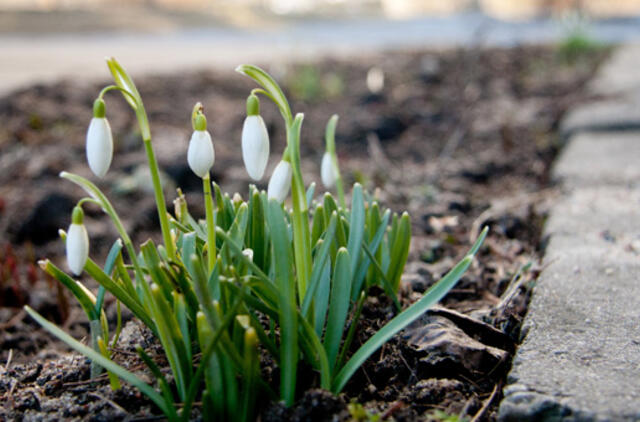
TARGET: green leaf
(311,341)
(479,241)
(109,265)
(180,310)
(321,301)
(338,305)
(194,386)
(399,251)
(388,288)
(310,191)
(318,265)
(113,379)
(251,373)
(79,291)
(152,261)
(130,301)
(287,300)
(257,233)
(365,263)
(108,364)
(171,339)
(318,225)
(430,298)
(356,228)
(213,370)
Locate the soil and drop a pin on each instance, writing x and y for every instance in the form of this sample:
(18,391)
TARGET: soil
(460,139)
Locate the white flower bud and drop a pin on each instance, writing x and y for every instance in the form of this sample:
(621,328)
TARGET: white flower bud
(200,155)
(99,146)
(280,182)
(328,171)
(77,247)
(255,146)
(248,253)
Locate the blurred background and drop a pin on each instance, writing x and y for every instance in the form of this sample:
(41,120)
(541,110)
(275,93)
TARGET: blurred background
(48,39)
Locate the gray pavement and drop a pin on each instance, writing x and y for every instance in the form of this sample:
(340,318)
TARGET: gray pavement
(580,359)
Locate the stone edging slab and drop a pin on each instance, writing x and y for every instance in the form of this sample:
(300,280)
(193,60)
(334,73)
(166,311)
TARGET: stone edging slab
(580,359)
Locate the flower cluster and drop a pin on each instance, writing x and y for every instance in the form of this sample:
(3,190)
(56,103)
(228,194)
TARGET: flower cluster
(292,281)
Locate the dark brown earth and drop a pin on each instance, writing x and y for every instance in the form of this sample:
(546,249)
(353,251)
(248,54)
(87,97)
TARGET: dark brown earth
(460,139)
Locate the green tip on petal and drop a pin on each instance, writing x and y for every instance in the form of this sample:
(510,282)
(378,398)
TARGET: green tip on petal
(98,108)
(253,105)
(201,122)
(78,215)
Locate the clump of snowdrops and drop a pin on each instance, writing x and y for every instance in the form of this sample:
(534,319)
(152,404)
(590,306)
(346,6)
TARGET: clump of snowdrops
(254,275)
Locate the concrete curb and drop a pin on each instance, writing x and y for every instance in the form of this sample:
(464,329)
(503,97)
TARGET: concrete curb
(580,360)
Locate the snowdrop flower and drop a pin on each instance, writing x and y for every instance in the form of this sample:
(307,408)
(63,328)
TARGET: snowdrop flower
(328,171)
(99,141)
(255,140)
(280,182)
(200,154)
(77,244)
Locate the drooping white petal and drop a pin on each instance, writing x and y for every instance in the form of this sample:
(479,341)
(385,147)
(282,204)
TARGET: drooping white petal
(77,246)
(200,154)
(255,146)
(280,182)
(99,146)
(328,171)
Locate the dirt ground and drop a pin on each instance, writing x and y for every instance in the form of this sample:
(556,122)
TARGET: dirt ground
(460,139)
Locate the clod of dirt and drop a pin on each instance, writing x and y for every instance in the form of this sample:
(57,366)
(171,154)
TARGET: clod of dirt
(315,406)
(428,392)
(448,351)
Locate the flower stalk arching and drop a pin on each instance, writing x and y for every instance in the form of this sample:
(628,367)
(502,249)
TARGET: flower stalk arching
(132,96)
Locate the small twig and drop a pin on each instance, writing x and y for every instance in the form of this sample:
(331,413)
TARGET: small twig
(486,404)
(13,387)
(413,374)
(111,402)
(397,405)
(6,365)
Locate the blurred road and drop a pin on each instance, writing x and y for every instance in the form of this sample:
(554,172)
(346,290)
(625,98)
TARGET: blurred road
(30,58)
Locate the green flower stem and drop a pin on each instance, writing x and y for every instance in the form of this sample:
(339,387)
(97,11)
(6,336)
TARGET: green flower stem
(301,233)
(330,136)
(211,228)
(116,88)
(160,203)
